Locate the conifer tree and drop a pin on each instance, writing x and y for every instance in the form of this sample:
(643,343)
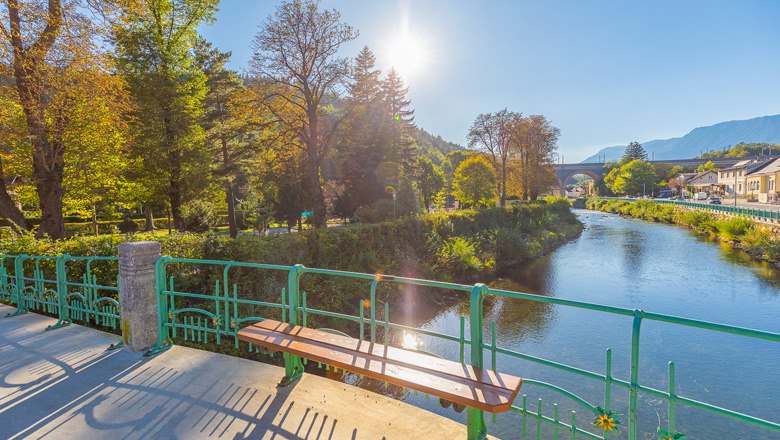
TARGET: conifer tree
(222,131)
(399,111)
(634,151)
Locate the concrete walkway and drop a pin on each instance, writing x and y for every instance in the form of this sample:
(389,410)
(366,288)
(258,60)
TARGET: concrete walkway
(63,384)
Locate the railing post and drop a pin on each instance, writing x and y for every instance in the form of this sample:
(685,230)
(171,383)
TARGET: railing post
(21,307)
(293,367)
(63,320)
(164,341)
(476,428)
(633,391)
(138,296)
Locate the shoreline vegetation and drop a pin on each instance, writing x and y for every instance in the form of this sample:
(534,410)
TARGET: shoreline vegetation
(464,246)
(760,241)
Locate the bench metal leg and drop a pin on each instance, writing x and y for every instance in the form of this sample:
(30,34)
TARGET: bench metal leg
(293,369)
(476,427)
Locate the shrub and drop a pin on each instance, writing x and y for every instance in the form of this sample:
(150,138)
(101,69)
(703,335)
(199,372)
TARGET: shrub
(199,216)
(127,226)
(734,228)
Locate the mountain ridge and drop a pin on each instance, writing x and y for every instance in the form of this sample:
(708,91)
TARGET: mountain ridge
(712,137)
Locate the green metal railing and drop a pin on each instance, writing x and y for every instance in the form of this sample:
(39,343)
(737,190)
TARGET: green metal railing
(66,287)
(766,215)
(216,318)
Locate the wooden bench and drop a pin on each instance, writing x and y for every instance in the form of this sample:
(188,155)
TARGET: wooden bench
(460,384)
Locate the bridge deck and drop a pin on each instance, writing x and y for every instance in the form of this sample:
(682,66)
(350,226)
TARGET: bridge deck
(63,384)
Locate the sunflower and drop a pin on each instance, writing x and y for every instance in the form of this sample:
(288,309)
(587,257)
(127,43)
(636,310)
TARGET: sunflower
(606,420)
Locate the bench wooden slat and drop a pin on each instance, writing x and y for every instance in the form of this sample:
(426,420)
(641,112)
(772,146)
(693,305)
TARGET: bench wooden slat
(416,359)
(489,391)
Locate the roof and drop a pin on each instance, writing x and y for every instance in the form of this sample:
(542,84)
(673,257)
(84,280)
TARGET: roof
(750,164)
(771,167)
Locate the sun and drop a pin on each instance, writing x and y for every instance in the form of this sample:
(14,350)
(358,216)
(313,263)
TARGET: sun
(408,55)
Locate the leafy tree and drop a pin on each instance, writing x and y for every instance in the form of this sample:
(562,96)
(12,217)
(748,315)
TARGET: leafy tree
(475,182)
(631,178)
(154,45)
(15,163)
(634,151)
(297,48)
(96,160)
(534,141)
(707,166)
(451,162)
(430,179)
(492,133)
(47,70)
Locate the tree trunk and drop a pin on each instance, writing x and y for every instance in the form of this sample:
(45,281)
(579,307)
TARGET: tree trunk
(47,147)
(8,208)
(174,196)
(49,186)
(320,216)
(229,197)
(148,217)
(94,221)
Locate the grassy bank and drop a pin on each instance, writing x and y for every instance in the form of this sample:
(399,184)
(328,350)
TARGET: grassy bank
(759,240)
(464,246)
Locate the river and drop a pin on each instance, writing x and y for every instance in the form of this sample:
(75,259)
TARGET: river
(635,264)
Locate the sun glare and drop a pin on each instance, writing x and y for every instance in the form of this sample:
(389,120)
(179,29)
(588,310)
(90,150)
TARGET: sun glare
(407,54)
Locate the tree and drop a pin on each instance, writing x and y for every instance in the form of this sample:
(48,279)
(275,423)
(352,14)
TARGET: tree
(397,108)
(634,151)
(451,162)
(32,32)
(154,46)
(224,127)
(96,158)
(364,138)
(707,166)
(475,182)
(430,180)
(632,178)
(15,153)
(492,133)
(296,48)
(534,142)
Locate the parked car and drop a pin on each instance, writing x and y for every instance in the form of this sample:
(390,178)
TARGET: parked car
(714,200)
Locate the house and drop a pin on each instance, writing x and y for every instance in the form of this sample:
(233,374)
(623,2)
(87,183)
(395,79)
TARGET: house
(761,184)
(734,179)
(705,181)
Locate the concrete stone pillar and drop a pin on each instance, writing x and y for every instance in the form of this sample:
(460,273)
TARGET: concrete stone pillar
(138,293)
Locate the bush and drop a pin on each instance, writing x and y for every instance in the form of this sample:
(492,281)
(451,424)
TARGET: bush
(734,228)
(199,216)
(458,256)
(127,226)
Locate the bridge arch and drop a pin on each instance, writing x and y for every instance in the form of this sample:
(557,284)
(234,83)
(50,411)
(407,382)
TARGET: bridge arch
(564,176)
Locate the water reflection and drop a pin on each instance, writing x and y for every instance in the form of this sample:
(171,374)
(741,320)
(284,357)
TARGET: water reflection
(634,264)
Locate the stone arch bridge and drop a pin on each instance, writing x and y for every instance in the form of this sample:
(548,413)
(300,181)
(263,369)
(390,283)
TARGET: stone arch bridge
(596,171)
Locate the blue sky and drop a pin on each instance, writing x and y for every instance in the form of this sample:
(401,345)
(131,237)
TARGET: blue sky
(605,72)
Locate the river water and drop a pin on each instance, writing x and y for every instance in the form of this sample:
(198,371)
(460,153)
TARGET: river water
(634,264)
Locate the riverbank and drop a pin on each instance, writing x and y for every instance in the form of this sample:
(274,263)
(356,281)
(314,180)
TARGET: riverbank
(757,239)
(464,246)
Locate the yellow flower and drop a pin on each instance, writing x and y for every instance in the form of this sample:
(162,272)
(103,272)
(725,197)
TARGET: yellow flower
(605,422)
